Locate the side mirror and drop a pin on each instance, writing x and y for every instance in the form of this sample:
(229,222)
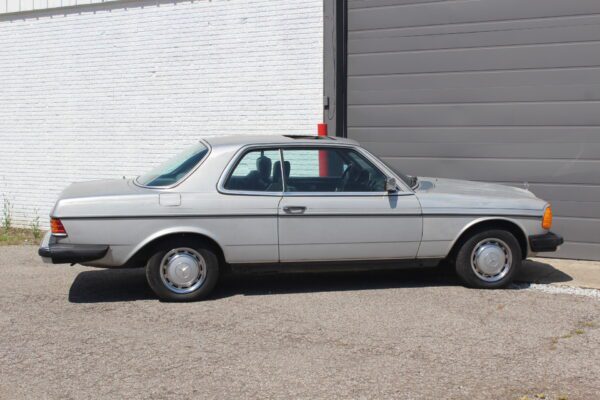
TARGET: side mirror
(390,185)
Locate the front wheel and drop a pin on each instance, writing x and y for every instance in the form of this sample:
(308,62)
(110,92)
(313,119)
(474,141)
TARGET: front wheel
(488,259)
(182,271)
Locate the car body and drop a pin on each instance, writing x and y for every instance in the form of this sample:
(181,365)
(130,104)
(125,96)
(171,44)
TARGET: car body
(289,202)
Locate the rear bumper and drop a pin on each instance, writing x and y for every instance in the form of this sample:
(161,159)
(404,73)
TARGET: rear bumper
(58,253)
(545,242)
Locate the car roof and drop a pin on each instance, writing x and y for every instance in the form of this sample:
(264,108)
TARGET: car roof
(243,140)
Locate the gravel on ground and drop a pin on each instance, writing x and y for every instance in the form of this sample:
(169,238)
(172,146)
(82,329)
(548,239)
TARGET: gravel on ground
(70,332)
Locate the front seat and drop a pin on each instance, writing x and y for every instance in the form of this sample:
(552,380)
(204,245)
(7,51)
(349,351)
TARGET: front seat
(260,178)
(277,186)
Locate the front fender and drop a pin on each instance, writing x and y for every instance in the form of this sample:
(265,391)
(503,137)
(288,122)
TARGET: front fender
(442,232)
(519,224)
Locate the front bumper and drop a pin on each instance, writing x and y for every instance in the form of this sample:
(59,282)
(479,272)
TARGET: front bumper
(66,253)
(545,242)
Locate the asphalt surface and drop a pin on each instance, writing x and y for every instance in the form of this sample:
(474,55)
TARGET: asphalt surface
(74,332)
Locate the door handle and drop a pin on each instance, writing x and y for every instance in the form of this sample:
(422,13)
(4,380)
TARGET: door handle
(294,209)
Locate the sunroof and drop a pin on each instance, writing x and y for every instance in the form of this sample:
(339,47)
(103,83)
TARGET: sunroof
(315,137)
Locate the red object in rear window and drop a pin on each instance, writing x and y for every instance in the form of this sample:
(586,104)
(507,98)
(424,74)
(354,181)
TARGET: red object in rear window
(56,227)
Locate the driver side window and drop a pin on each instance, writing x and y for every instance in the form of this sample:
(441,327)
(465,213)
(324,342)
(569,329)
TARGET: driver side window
(330,170)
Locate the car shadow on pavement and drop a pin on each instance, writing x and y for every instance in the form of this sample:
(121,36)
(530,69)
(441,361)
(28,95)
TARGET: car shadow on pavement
(259,285)
(130,284)
(112,285)
(540,272)
(108,285)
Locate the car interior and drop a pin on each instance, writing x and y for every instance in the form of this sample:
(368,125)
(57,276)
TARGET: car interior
(346,172)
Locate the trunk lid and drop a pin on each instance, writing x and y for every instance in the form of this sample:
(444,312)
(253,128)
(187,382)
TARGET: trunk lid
(100,188)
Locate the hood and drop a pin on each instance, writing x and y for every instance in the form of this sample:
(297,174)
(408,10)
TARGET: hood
(438,195)
(470,188)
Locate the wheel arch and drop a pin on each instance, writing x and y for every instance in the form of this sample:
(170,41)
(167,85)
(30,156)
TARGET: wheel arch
(144,250)
(490,223)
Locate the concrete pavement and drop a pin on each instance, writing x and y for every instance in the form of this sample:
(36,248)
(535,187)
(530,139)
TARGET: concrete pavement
(574,273)
(74,332)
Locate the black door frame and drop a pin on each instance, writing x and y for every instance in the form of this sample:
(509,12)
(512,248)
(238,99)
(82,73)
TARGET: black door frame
(341,37)
(335,42)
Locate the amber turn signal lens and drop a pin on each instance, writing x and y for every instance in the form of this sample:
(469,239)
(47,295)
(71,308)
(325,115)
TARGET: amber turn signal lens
(547,219)
(56,227)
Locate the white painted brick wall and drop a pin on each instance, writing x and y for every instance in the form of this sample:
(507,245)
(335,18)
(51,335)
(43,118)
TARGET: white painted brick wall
(111,90)
(9,6)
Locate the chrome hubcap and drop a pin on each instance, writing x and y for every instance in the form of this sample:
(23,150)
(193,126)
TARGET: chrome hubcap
(491,259)
(183,270)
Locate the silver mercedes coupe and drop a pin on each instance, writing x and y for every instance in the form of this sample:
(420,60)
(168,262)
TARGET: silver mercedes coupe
(291,203)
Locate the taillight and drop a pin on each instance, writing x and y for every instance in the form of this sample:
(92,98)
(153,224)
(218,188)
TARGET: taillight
(547,218)
(57,228)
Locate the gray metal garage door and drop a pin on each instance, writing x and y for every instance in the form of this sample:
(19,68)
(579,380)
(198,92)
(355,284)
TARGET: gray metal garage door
(493,90)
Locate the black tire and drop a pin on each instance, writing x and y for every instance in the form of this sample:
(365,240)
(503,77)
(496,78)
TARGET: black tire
(163,290)
(466,268)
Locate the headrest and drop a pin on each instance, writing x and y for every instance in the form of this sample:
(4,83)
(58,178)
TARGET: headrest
(287,167)
(263,165)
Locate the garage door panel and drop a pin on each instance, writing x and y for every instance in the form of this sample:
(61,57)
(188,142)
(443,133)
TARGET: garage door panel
(481,134)
(578,229)
(460,12)
(474,79)
(582,251)
(354,4)
(523,25)
(489,170)
(500,91)
(385,41)
(496,114)
(505,150)
(566,192)
(476,94)
(579,209)
(477,59)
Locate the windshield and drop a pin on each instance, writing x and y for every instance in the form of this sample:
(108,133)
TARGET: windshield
(173,170)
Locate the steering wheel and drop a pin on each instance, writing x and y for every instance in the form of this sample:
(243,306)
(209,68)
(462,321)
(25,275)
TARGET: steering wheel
(340,188)
(373,184)
(364,180)
(347,171)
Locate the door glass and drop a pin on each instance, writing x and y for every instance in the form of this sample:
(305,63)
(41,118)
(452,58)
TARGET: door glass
(330,170)
(257,171)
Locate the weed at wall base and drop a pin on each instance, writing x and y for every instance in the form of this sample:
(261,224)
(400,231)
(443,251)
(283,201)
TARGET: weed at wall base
(6,213)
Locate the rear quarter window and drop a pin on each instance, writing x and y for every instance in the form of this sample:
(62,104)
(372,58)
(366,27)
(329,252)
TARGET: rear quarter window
(175,169)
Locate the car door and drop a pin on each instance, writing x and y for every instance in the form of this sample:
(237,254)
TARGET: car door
(335,207)
(251,193)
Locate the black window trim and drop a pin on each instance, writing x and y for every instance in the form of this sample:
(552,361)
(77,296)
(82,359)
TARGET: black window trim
(334,194)
(403,190)
(234,162)
(183,178)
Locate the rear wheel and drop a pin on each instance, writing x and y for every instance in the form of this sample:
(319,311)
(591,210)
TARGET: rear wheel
(488,259)
(182,270)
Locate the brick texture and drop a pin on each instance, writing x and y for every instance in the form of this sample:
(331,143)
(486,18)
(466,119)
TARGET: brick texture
(110,90)
(10,6)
